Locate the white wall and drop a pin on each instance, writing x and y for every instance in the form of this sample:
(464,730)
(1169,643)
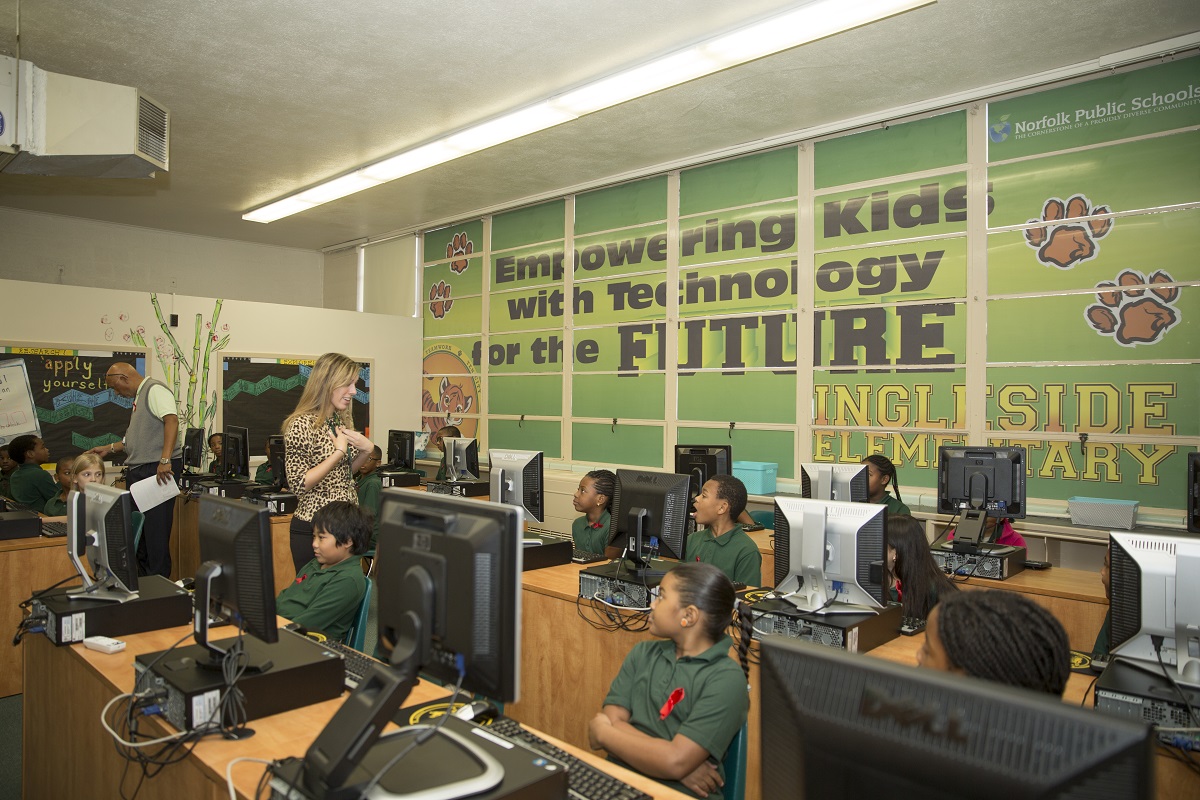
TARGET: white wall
(390,277)
(79,316)
(341,279)
(80,252)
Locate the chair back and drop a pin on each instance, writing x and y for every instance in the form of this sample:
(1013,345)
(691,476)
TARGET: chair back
(764,517)
(357,635)
(735,767)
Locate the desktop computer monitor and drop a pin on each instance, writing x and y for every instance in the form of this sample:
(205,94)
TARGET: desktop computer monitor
(516,479)
(401,450)
(235,455)
(100,526)
(846,482)
(1153,592)
(700,462)
(824,551)
(236,578)
(460,459)
(449,578)
(837,724)
(193,449)
(648,506)
(277,458)
(977,483)
(1193,493)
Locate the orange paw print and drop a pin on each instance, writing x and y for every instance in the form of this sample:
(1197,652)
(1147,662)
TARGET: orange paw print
(460,245)
(439,299)
(1064,243)
(1131,316)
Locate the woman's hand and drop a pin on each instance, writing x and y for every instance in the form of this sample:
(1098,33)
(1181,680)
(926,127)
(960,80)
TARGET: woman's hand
(357,439)
(597,728)
(341,441)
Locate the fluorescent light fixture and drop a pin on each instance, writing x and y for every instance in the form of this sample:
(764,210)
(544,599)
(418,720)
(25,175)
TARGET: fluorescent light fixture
(809,22)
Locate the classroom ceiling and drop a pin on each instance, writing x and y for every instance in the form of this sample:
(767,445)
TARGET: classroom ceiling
(270,96)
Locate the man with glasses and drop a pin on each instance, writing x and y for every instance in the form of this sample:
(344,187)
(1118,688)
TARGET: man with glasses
(369,484)
(152,448)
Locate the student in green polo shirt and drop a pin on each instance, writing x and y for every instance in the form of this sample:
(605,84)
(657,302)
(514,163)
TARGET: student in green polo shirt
(678,701)
(721,541)
(328,590)
(57,506)
(369,485)
(592,499)
(881,475)
(31,485)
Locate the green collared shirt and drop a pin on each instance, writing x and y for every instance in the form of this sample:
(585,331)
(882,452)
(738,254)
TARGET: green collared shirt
(711,709)
(734,552)
(591,538)
(55,507)
(32,486)
(325,600)
(369,488)
(894,506)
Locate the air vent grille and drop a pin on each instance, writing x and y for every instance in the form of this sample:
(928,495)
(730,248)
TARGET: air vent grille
(153,126)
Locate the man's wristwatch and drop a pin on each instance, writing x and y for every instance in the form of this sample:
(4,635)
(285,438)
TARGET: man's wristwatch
(164,461)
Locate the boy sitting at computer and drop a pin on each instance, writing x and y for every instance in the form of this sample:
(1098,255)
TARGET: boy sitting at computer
(328,590)
(719,540)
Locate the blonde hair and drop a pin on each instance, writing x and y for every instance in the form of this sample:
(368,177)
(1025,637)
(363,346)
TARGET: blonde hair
(83,462)
(331,371)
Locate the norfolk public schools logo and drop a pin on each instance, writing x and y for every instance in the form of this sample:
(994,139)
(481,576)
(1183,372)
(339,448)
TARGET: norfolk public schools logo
(999,131)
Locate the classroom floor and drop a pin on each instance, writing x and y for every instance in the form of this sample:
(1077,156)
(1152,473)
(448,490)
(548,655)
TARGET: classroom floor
(10,753)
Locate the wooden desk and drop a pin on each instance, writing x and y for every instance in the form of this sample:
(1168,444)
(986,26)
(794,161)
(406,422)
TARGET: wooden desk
(765,539)
(27,566)
(1075,597)
(185,544)
(68,754)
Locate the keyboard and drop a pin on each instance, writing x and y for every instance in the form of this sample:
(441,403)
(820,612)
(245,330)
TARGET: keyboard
(911,626)
(54,528)
(754,527)
(356,664)
(584,781)
(584,557)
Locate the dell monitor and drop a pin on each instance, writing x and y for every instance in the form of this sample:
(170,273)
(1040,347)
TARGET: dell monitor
(460,459)
(824,551)
(1154,593)
(845,482)
(100,526)
(236,578)
(700,462)
(649,512)
(235,457)
(977,483)
(838,724)
(193,449)
(449,579)
(516,479)
(401,450)
(277,459)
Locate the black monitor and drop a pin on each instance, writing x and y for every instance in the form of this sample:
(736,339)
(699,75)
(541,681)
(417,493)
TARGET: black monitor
(235,455)
(449,578)
(980,482)
(277,459)
(649,510)
(700,462)
(846,482)
(837,724)
(460,458)
(100,526)
(401,450)
(1193,492)
(1153,595)
(516,479)
(193,449)
(236,578)
(824,551)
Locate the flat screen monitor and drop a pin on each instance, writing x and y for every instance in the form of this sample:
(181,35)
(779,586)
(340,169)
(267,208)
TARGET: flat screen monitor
(401,450)
(837,724)
(100,526)
(460,458)
(516,479)
(277,459)
(193,449)
(1193,492)
(449,578)
(649,512)
(700,462)
(846,482)
(1154,592)
(824,550)
(236,578)
(980,482)
(235,457)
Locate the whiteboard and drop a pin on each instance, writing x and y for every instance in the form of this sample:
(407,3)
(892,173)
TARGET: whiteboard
(17,414)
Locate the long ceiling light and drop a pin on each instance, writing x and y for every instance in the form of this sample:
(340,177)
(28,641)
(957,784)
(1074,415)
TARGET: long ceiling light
(809,22)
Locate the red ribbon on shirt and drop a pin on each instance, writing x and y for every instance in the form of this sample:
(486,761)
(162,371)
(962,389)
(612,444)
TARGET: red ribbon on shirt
(300,578)
(595,525)
(672,701)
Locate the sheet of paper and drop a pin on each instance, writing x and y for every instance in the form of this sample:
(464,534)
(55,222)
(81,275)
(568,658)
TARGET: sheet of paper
(148,492)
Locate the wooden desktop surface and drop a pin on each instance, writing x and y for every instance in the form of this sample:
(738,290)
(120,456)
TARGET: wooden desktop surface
(68,754)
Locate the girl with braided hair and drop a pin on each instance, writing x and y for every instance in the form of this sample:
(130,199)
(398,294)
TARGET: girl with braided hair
(881,474)
(917,581)
(592,499)
(678,701)
(998,636)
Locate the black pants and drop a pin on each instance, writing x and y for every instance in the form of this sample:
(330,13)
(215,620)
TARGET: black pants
(154,550)
(302,545)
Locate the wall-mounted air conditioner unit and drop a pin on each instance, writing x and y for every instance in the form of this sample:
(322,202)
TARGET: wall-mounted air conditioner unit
(61,125)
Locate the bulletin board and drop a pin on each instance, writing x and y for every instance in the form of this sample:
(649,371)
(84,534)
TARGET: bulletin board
(259,392)
(67,395)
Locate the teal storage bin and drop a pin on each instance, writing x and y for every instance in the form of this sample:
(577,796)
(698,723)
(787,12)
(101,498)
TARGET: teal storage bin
(759,476)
